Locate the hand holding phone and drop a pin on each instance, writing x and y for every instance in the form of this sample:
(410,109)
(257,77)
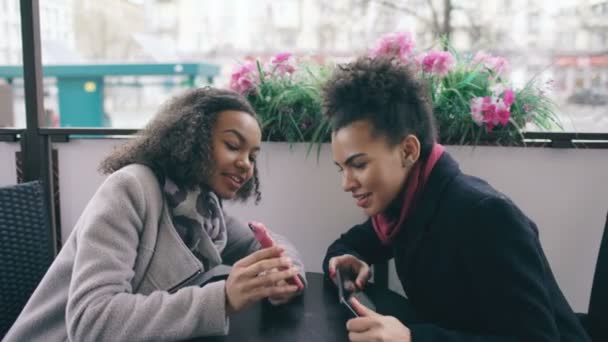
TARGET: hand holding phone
(260,232)
(345,295)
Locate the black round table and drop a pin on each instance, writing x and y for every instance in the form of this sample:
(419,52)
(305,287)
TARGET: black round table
(315,316)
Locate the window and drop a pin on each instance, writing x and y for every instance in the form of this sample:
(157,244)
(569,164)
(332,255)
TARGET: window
(566,40)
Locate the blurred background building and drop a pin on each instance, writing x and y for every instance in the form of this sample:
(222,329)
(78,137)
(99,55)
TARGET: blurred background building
(564,42)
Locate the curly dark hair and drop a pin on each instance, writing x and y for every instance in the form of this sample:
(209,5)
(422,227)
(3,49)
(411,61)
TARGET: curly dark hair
(177,142)
(385,92)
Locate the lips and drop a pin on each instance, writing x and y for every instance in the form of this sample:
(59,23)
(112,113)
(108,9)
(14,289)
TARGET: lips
(362,199)
(234,181)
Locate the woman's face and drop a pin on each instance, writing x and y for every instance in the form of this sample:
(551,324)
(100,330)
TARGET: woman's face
(372,170)
(236,140)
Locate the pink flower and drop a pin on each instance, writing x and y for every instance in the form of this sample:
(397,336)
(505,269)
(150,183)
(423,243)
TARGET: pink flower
(499,64)
(489,111)
(437,62)
(481,57)
(477,110)
(244,77)
(280,64)
(280,58)
(497,89)
(489,115)
(477,105)
(285,68)
(398,44)
(509,97)
(502,113)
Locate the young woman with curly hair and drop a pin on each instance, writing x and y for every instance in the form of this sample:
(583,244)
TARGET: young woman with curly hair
(156,224)
(468,259)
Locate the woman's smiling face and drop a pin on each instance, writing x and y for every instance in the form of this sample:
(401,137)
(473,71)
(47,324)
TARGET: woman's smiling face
(236,140)
(372,169)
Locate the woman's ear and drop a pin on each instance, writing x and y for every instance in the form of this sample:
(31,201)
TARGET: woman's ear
(410,149)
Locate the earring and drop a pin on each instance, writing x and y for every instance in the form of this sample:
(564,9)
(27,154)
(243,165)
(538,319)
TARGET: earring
(407,162)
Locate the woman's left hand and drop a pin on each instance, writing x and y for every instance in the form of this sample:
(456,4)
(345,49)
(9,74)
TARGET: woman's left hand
(371,326)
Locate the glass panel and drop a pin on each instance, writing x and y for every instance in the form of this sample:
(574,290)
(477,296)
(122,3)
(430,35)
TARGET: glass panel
(112,63)
(153,48)
(12,104)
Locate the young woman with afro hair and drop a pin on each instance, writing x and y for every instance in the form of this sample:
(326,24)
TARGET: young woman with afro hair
(468,258)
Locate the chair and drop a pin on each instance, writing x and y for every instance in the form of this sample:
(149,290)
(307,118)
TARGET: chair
(25,245)
(596,322)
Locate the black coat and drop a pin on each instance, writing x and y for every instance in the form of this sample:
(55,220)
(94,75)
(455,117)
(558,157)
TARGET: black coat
(471,265)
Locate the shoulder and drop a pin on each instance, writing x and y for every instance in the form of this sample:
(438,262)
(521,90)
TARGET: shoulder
(483,207)
(134,183)
(140,172)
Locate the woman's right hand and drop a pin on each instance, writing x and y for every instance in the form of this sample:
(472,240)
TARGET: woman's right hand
(350,264)
(250,279)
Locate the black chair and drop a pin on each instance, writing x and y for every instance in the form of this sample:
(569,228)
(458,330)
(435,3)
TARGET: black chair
(26,247)
(596,321)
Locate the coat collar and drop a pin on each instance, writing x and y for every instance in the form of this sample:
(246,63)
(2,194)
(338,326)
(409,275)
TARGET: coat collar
(441,176)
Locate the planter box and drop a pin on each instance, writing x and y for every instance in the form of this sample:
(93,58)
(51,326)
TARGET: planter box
(565,191)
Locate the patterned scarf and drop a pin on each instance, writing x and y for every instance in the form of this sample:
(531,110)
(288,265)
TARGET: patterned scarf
(199,220)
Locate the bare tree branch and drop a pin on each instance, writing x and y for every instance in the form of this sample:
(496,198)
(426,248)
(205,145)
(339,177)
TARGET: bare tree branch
(436,27)
(404,9)
(447,17)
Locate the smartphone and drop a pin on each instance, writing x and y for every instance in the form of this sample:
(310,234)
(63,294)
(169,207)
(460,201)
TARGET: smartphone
(261,234)
(345,295)
(342,293)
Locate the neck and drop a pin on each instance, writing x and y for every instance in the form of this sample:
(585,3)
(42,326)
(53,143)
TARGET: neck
(388,223)
(393,211)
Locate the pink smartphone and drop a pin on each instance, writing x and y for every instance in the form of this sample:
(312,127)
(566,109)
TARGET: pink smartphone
(261,234)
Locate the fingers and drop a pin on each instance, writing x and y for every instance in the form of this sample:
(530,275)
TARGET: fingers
(333,263)
(363,276)
(350,262)
(273,291)
(343,262)
(359,337)
(267,265)
(297,281)
(362,310)
(361,324)
(266,253)
(278,300)
(271,279)
(349,286)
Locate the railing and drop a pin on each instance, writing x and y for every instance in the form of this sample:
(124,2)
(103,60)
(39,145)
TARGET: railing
(531,139)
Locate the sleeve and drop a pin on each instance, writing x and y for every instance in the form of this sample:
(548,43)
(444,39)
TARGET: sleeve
(362,242)
(509,276)
(101,303)
(241,243)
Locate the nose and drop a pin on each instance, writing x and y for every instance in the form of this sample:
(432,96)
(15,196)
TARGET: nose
(243,164)
(349,183)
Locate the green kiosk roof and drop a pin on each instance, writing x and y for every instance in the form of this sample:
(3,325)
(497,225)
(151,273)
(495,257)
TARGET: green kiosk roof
(97,70)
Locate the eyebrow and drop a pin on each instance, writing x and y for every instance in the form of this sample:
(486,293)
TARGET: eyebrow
(240,137)
(350,159)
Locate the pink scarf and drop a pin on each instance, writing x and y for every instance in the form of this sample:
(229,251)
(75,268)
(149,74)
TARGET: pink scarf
(386,227)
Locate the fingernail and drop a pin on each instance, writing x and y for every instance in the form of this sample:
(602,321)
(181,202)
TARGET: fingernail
(286,260)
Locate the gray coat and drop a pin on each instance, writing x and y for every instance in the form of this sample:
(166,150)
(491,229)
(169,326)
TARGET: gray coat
(113,278)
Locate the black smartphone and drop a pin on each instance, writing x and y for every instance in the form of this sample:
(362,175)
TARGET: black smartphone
(343,295)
